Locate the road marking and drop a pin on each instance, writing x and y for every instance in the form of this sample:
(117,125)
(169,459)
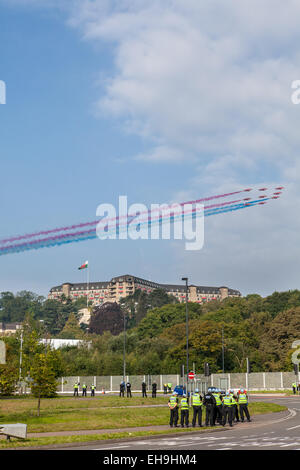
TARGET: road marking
(289,445)
(113,448)
(294,427)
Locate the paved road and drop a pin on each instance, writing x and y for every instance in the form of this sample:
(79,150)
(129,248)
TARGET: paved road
(269,432)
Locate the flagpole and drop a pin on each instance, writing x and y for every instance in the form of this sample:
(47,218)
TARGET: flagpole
(88,285)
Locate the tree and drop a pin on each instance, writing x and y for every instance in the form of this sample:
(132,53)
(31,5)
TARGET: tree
(107,317)
(43,374)
(138,304)
(160,318)
(71,329)
(277,340)
(13,308)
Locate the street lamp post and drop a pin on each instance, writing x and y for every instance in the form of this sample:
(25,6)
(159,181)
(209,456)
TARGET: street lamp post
(20,361)
(124,348)
(223,355)
(187,331)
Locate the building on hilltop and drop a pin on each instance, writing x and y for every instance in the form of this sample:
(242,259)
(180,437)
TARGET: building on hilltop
(9,328)
(122,286)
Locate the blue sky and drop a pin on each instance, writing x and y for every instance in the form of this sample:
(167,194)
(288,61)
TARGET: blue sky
(157,102)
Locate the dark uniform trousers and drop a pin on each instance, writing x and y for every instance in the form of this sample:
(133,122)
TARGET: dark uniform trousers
(174,416)
(218,414)
(227,411)
(209,418)
(184,417)
(244,409)
(235,412)
(197,411)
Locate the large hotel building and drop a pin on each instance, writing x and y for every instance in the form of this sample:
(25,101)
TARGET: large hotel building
(122,286)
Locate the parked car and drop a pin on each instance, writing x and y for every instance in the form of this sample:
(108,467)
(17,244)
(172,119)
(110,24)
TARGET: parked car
(180,389)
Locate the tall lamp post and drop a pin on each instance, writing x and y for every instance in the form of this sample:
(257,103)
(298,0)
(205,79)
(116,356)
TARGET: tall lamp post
(124,348)
(187,331)
(223,355)
(20,360)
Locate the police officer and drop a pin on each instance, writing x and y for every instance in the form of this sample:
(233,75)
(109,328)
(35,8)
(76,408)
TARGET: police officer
(184,411)
(209,402)
(235,411)
(144,389)
(197,404)
(154,387)
(128,389)
(218,408)
(243,405)
(84,387)
(75,387)
(227,409)
(173,405)
(122,389)
(165,389)
(294,386)
(93,388)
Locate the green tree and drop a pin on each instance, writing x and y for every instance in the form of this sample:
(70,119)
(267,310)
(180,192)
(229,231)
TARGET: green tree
(71,329)
(43,373)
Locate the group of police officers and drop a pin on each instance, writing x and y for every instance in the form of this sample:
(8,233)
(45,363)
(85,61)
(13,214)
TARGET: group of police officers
(218,408)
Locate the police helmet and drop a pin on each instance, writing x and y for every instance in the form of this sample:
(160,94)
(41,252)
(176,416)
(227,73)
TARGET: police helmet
(196,390)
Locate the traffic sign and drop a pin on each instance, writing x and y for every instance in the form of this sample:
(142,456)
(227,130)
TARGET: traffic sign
(191,375)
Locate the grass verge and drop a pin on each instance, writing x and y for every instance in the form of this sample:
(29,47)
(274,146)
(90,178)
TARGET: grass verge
(72,414)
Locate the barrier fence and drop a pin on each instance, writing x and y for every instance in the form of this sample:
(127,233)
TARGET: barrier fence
(258,381)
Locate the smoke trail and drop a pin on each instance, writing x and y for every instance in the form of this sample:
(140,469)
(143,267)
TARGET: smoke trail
(94,223)
(91,234)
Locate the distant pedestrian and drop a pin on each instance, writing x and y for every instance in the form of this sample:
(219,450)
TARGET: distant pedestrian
(76,388)
(218,408)
(197,404)
(184,411)
(227,409)
(128,389)
(209,402)
(243,405)
(235,411)
(122,389)
(173,405)
(144,389)
(154,387)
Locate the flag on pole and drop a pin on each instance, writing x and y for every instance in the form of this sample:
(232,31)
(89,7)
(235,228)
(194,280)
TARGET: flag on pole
(84,265)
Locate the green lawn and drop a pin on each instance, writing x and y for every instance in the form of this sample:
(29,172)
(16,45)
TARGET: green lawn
(71,414)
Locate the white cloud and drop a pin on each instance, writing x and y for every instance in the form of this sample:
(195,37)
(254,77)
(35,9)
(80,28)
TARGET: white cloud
(204,78)
(210,82)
